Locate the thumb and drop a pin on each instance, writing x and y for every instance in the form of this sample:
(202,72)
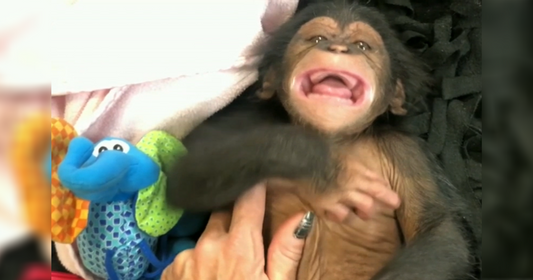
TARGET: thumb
(286,248)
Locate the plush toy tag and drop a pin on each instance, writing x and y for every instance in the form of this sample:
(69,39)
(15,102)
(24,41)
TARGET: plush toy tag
(27,156)
(69,213)
(151,211)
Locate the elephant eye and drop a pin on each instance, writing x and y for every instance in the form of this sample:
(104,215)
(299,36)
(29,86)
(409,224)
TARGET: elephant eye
(118,145)
(111,145)
(100,148)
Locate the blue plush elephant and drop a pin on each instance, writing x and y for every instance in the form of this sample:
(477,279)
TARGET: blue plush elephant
(110,175)
(111,170)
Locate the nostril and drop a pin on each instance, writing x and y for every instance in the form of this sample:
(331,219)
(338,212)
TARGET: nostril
(338,48)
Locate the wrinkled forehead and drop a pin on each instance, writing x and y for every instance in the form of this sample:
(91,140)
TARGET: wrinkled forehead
(330,25)
(344,16)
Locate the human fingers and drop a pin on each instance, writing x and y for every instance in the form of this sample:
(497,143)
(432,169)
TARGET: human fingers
(249,210)
(181,267)
(286,248)
(218,225)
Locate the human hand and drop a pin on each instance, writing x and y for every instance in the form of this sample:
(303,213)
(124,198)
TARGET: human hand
(363,192)
(231,247)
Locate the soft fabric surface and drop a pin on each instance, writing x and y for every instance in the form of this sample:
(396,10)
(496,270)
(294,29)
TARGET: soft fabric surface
(150,64)
(508,149)
(24,43)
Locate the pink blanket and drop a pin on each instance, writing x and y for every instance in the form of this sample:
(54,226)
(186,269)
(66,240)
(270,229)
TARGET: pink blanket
(123,68)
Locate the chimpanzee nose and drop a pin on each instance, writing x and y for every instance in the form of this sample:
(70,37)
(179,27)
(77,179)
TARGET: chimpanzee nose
(338,48)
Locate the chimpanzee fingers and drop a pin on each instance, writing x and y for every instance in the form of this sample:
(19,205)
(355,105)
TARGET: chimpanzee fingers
(361,170)
(363,203)
(347,206)
(338,212)
(382,193)
(372,176)
(362,215)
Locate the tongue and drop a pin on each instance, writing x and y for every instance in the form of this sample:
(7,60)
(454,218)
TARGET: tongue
(332,87)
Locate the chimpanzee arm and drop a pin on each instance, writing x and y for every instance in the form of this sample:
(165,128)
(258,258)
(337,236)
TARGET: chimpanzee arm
(436,246)
(239,148)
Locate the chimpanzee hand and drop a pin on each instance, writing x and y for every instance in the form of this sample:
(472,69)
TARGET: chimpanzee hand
(361,193)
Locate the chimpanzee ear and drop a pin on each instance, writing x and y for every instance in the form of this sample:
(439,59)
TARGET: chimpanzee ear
(398,100)
(268,88)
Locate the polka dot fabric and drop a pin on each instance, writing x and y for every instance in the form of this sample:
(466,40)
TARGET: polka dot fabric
(112,228)
(152,213)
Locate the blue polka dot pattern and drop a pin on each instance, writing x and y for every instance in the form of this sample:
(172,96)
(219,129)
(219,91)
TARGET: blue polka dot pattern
(112,226)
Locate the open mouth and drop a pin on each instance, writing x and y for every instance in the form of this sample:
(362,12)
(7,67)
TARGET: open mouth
(340,86)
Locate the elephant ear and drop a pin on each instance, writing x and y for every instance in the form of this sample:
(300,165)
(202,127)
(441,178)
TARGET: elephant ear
(152,213)
(69,213)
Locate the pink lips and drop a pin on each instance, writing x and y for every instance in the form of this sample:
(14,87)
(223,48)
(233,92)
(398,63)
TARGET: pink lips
(345,87)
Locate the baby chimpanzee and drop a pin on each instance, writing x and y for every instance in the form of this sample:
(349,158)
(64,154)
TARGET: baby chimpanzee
(332,77)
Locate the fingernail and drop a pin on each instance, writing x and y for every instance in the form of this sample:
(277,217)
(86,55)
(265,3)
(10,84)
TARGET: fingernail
(304,228)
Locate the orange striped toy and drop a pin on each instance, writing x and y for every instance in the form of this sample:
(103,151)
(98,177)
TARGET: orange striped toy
(69,213)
